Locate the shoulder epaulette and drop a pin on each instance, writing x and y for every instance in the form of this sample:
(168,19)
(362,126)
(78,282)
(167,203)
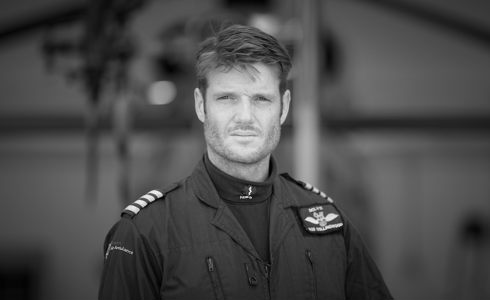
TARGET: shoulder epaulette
(307,186)
(153,195)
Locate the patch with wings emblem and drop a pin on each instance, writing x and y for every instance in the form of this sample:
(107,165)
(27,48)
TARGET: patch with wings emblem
(320,219)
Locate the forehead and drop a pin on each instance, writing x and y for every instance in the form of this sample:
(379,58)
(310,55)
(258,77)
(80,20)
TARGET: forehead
(255,76)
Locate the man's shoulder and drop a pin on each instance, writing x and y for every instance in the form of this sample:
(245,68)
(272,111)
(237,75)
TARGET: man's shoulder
(302,187)
(146,201)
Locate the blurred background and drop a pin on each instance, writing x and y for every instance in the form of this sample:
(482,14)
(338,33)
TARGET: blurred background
(390,117)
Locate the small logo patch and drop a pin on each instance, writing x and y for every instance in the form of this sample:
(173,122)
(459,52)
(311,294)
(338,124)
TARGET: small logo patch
(248,192)
(320,219)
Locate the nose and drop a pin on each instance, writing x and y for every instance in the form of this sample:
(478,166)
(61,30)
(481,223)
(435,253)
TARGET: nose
(244,110)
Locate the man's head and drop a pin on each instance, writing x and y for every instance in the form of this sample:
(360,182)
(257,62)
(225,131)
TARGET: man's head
(242,97)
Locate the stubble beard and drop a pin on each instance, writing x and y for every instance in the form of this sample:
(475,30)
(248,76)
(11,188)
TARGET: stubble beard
(215,141)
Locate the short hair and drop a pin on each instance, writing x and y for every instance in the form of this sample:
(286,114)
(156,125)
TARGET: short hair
(239,46)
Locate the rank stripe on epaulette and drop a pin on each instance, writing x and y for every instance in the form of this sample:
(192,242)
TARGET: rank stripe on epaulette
(310,187)
(143,201)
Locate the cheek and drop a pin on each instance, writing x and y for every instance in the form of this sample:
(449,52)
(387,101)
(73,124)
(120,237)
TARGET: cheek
(216,122)
(271,117)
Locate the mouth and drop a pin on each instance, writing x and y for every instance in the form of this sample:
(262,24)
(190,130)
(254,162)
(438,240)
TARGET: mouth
(244,133)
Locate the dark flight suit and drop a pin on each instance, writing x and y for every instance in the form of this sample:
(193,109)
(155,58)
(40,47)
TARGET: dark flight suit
(183,242)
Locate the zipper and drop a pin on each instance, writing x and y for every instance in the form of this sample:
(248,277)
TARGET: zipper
(215,281)
(313,279)
(267,273)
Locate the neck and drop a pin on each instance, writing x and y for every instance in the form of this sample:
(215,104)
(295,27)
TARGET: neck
(256,172)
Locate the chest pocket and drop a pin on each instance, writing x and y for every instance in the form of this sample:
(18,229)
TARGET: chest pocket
(326,267)
(312,274)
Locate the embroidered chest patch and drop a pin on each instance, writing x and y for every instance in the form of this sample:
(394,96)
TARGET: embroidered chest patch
(320,219)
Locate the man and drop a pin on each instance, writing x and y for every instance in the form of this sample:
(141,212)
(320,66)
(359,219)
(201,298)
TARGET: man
(235,229)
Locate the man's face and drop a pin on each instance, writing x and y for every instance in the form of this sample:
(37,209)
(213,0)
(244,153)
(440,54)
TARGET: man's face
(242,113)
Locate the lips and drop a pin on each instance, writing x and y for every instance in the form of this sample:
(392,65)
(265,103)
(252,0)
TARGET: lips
(244,132)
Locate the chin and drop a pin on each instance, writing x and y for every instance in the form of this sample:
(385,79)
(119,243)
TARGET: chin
(246,156)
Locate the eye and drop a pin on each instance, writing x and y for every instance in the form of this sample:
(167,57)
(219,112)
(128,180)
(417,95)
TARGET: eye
(262,99)
(224,97)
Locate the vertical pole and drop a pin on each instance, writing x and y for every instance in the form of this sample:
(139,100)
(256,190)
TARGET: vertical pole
(92,136)
(122,133)
(306,127)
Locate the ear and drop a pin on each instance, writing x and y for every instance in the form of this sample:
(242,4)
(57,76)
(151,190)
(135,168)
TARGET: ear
(199,105)
(286,100)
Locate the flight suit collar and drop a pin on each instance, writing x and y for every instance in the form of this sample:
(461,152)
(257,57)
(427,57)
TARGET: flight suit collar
(285,195)
(203,186)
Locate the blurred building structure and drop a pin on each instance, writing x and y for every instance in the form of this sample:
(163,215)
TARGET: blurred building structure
(402,138)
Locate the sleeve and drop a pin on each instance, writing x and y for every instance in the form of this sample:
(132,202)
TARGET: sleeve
(132,269)
(363,278)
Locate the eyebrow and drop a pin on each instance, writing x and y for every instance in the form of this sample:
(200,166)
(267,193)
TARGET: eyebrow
(227,92)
